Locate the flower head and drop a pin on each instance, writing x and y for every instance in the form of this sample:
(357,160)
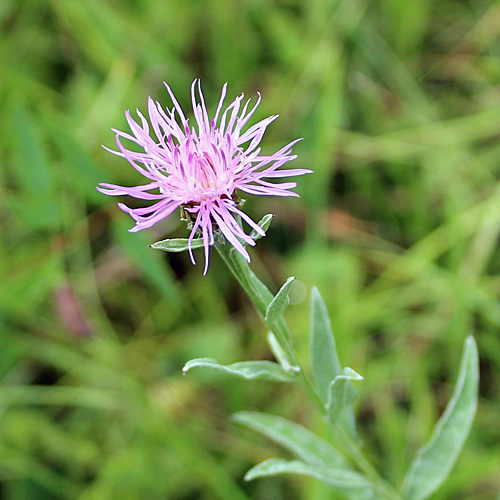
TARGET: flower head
(200,169)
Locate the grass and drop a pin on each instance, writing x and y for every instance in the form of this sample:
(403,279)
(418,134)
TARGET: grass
(399,109)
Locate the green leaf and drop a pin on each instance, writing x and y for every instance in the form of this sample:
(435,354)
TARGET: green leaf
(435,459)
(300,441)
(324,360)
(340,478)
(340,398)
(177,244)
(264,223)
(279,302)
(250,370)
(280,354)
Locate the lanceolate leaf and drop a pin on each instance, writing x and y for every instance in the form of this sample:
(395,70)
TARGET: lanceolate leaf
(177,244)
(300,441)
(342,479)
(341,396)
(264,223)
(435,459)
(262,370)
(280,354)
(279,302)
(324,360)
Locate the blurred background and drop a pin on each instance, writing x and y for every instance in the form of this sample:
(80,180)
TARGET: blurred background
(398,103)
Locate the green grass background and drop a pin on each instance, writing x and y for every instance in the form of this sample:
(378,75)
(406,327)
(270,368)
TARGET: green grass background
(398,103)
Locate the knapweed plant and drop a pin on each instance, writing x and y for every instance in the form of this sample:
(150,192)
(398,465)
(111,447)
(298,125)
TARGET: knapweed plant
(203,170)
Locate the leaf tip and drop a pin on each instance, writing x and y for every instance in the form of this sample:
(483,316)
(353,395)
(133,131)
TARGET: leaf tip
(248,477)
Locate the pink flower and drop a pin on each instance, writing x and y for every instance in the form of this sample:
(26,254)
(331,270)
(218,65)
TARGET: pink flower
(200,170)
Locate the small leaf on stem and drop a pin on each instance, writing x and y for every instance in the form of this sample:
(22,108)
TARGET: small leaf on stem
(340,398)
(279,302)
(249,370)
(177,244)
(280,354)
(264,223)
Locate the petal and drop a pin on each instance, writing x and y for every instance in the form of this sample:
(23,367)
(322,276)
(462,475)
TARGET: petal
(134,191)
(221,101)
(225,226)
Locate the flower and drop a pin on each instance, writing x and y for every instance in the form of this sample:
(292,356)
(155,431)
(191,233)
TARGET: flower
(200,170)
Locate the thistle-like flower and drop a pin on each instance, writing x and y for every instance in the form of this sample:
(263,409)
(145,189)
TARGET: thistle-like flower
(201,170)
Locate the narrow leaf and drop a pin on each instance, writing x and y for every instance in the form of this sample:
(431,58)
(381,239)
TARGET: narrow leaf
(177,244)
(433,462)
(264,223)
(280,354)
(324,360)
(250,370)
(340,398)
(340,478)
(279,302)
(300,441)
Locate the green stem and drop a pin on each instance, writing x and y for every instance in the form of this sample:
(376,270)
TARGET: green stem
(261,297)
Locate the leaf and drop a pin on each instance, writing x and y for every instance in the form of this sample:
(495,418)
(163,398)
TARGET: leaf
(264,223)
(324,360)
(340,478)
(279,302)
(433,462)
(250,370)
(340,398)
(300,441)
(177,244)
(280,354)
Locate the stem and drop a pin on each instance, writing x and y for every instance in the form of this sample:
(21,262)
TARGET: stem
(261,297)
